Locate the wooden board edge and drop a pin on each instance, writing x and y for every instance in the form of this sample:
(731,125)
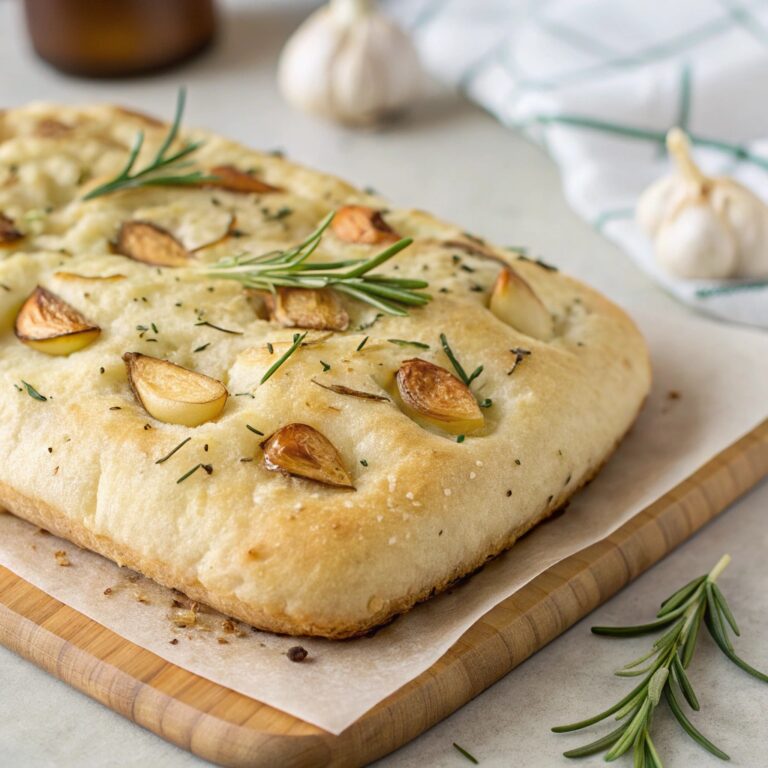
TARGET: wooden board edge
(253,734)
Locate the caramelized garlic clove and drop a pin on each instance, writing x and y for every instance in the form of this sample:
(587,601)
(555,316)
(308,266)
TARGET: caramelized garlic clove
(514,302)
(431,394)
(231,179)
(300,450)
(151,244)
(173,394)
(361,224)
(48,324)
(315,308)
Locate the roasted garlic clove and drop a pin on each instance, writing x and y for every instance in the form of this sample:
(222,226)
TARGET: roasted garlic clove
(514,302)
(232,179)
(8,232)
(151,244)
(174,394)
(298,449)
(315,308)
(434,395)
(360,224)
(48,324)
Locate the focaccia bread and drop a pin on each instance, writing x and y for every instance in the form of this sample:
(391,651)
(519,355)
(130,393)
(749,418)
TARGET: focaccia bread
(363,475)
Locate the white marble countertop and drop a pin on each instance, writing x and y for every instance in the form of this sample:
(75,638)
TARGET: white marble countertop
(450,158)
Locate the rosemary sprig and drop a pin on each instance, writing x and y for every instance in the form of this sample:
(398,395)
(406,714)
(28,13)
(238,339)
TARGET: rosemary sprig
(297,339)
(681,615)
(166,168)
(292,268)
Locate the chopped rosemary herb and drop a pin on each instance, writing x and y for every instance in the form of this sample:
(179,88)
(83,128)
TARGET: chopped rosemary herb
(460,439)
(404,343)
(32,392)
(245,394)
(340,389)
(539,262)
(326,366)
(270,349)
(457,365)
(207,467)
(362,344)
(486,403)
(219,328)
(165,169)
(297,339)
(202,347)
(154,328)
(471,758)
(364,462)
(254,430)
(178,447)
(520,354)
(280,213)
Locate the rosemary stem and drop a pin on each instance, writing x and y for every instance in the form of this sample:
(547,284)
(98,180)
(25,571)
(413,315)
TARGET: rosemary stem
(721,565)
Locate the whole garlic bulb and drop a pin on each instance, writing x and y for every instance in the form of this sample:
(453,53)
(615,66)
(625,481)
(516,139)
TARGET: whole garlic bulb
(704,227)
(348,62)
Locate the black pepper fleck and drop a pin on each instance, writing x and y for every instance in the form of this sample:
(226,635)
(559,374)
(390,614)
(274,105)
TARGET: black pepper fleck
(297,653)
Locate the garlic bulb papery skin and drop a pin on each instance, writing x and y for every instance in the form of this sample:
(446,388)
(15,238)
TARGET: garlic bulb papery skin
(350,63)
(704,227)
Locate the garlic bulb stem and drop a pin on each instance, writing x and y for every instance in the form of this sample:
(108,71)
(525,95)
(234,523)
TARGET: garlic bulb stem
(680,149)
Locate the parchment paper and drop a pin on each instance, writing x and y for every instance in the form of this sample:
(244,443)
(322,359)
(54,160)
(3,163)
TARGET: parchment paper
(721,375)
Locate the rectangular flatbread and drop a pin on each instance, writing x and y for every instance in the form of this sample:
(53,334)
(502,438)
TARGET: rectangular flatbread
(312,459)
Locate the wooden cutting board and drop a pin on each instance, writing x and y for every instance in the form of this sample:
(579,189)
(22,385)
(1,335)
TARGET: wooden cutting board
(233,730)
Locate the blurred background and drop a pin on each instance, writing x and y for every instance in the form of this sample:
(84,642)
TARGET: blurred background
(597,84)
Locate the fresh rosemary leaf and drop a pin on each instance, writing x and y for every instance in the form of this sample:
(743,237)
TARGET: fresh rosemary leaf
(689,645)
(681,678)
(404,343)
(202,347)
(178,447)
(471,758)
(596,746)
(164,169)
(254,430)
(689,728)
(680,596)
(633,631)
(219,328)
(33,393)
(362,344)
(297,339)
(722,604)
(207,467)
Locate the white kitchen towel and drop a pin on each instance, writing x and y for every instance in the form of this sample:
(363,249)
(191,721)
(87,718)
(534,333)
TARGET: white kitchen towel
(599,83)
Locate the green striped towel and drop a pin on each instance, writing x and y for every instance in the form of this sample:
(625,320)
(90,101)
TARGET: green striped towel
(599,83)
